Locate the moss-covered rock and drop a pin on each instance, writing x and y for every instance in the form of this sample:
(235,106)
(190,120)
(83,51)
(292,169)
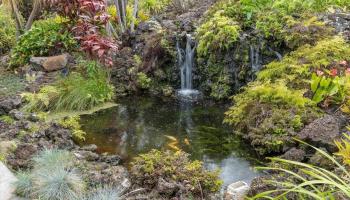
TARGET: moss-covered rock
(173,173)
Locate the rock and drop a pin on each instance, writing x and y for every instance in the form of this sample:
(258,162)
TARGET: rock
(16,114)
(294,154)
(22,156)
(9,104)
(7,179)
(259,185)
(321,132)
(237,191)
(111,159)
(101,173)
(169,24)
(33,117)
(6,147)
(4,61)
(52,63)
(319,160)
(87,155)
(91,147)
(167,188)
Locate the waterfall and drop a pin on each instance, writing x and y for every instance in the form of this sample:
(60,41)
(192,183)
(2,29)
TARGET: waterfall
(185,60)
(255,60)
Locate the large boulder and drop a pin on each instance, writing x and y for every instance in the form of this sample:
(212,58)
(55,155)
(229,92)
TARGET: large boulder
(322,132)
(52,63)
(237,191)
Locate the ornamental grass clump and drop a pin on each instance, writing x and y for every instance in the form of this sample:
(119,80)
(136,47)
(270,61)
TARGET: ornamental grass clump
(105,193)
(53,178)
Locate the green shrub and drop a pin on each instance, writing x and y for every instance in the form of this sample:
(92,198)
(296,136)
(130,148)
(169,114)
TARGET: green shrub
(297,67)
(143,81)
(173,167)
(269,114)
(72,93)
(45,38)
(218,33)
(153,6)
(7,31)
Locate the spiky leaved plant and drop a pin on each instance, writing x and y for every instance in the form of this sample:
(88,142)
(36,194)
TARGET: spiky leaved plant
(52,159)
(58,184)
(311,182)
(105,193)
(24,184)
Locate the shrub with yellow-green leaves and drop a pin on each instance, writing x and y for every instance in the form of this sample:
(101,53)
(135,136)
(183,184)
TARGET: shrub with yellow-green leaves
(7,31)
(175,168)
(219,32)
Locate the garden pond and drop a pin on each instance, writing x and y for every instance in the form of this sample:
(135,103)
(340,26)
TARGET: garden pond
(139,124)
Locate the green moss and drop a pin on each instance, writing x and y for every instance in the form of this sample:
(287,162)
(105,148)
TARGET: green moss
(148,168)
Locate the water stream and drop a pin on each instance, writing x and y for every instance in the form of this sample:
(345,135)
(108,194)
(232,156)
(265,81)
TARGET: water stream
(140,124)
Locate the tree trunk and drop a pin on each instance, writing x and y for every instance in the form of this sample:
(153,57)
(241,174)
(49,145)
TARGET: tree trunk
(116,3)
(35,11)
(124,13)
(18,23)
(134,14)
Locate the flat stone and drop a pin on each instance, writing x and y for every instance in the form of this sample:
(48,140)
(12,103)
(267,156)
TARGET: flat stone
(52,63)
(237,191)
(6,183)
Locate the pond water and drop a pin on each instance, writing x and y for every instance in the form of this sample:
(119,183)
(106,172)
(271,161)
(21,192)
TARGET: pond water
(139,124)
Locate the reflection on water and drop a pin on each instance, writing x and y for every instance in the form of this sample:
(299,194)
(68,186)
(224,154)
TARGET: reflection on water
(140,124)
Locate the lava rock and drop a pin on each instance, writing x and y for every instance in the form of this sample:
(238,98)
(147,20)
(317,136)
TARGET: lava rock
(167,188)
(322,132)
(294,154)
(22,156)
(111,159)
(259,185)
(17,115)
(91,147)
(9,104)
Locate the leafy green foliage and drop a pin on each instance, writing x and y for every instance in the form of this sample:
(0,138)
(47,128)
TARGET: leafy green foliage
(73,93)
(143,81)
(309,182)
(153,6)
(73,124)
(7,31)
(7,119)
(334,87)
(45,38)
(148,168)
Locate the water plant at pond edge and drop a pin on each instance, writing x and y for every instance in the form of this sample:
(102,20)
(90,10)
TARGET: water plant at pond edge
(175,168)
(302,180)
(73,124)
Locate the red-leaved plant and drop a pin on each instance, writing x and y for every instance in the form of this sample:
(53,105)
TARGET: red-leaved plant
(88,18)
